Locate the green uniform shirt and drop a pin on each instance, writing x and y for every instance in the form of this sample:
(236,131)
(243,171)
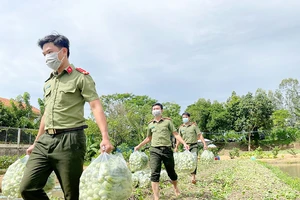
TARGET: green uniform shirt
(64,97)
(161,132)
(189,132)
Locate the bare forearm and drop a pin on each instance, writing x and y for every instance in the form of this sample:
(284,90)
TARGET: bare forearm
(202,139)
(145,141)
(100,118)
(177,143)
(179,139)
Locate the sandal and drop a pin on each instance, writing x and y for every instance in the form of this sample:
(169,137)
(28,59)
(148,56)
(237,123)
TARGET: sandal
(194,181)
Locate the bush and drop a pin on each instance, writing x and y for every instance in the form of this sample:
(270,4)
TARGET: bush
(235,152)
(275,151)
(6,161)
(258,152)
(125,150)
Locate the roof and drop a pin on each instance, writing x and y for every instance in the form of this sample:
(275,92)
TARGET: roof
(6,102)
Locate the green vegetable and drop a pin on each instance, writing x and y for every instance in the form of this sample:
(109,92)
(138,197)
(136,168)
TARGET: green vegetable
(185,162)
(107,177)
(13,176)
(207,156)
(138,161)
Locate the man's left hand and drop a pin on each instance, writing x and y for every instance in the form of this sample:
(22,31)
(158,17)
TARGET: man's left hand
(106,146)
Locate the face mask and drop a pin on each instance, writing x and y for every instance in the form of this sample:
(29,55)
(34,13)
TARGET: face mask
(156,113)
(185,120)
(53,61)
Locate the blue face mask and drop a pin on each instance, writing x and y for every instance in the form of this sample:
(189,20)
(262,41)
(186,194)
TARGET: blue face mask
(185,120)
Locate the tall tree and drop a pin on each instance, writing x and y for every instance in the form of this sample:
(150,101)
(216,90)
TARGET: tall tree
(172,110)
(219,118)
(200,112)
(254,114)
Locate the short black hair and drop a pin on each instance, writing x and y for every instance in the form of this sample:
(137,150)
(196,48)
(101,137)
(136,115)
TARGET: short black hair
(58,40)
(186,113)
(158,104)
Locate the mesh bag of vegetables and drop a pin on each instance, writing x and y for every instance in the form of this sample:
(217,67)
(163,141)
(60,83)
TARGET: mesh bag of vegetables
(185,162)
(164,175)
(207,156)
(138,161)
(107,177)
(13,176)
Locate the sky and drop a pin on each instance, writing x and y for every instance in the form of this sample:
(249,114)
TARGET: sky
(172,51)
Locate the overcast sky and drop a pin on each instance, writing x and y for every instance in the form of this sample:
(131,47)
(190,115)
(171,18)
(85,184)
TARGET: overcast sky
(173,50)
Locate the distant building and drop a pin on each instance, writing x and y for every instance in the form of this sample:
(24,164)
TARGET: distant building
(6,102)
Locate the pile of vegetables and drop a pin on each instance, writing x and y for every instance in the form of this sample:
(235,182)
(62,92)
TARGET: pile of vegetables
(107,177)
(142,178)
(138,161)
(13,176)
(207,156)
(185,162)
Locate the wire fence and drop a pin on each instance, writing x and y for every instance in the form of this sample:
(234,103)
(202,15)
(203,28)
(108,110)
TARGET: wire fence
(18,136)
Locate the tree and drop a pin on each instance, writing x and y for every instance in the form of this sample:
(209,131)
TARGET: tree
(254,114)
(219,118)
(127,116)
(288,95)
(172,110)
(280,118)
(200,112)
(7,118)
(232,107)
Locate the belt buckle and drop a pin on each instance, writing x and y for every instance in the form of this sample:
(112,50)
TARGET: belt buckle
(162,148)
(51,131)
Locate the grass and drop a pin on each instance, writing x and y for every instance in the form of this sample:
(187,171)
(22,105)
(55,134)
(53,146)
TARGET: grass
(230,179)
(291,181)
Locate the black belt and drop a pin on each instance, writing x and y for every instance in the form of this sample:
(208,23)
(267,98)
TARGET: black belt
(52,131)
(191,144)
(162,147)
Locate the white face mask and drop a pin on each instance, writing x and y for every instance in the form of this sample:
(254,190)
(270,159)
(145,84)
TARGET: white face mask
(156,113)
(185,120)
(53,61)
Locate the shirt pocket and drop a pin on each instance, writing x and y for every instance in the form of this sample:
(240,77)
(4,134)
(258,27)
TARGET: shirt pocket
(47,95)
(66,94)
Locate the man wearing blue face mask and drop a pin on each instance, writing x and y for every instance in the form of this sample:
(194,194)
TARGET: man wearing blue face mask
(60,144)
(190,133)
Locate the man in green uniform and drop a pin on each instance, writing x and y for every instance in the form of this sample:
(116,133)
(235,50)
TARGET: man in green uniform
(60,144)
(158,133)
(190,133)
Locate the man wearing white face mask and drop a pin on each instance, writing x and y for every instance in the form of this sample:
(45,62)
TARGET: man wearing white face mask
(190,133)
(158,133)
(60,144)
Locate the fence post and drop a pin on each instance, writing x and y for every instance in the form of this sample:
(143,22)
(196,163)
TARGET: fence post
(19,137)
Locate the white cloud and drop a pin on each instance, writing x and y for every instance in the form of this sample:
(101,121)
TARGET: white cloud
(170,50)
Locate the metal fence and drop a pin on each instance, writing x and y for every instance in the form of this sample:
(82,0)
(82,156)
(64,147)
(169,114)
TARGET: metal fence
(19,136)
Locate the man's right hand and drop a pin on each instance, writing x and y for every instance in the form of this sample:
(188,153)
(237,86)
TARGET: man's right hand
(29,150)
(136,148)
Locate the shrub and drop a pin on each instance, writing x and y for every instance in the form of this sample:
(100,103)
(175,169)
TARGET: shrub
(6,161)
(258,152)
(275,151)
(292,152)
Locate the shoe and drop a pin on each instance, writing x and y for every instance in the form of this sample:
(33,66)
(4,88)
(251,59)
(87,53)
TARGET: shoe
(194,181)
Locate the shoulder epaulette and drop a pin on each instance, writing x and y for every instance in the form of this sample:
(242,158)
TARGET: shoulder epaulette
(167,118)
(150,121)
(49,77)
(194,123)
(82,71)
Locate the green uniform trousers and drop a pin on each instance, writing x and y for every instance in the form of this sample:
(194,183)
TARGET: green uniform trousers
(194,149)
(62,153)
(159,155)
